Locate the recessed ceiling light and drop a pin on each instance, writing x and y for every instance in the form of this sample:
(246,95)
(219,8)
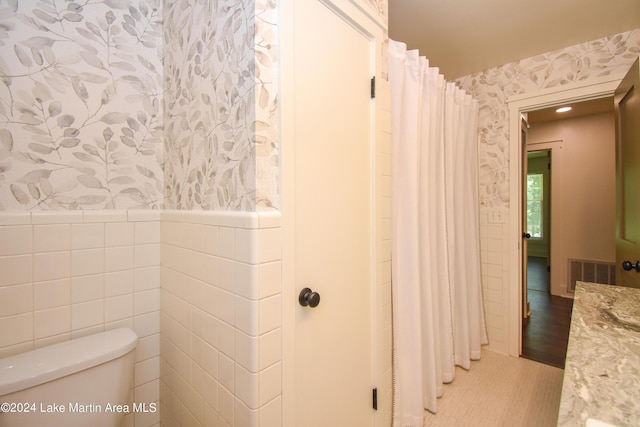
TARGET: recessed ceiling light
(563,109)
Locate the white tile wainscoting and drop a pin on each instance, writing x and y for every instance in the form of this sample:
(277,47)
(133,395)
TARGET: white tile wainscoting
(221,339)
(495,269)
(68,274)
(201,289)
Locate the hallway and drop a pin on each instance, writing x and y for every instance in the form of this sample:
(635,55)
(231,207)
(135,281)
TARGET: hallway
(546,334)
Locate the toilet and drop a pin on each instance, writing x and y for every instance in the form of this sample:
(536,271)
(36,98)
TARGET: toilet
(81,382)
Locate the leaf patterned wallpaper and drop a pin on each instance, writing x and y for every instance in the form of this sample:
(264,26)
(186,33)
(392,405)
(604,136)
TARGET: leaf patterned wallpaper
(220,136)
(119,104)
(80,105)
(603,57)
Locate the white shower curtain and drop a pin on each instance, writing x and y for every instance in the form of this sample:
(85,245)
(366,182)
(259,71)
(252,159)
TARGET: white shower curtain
(438,315)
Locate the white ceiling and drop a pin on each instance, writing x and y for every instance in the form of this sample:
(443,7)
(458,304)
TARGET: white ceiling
(463,37)
(585,108)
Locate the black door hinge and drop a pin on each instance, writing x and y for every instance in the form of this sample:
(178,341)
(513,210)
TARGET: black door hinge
(375,399)
(373,87)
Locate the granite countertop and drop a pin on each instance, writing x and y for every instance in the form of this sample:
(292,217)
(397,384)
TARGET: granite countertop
(602,369)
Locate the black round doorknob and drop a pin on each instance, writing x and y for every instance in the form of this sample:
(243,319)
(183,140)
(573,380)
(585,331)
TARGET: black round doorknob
(309,298)
(628,266)
(526,235)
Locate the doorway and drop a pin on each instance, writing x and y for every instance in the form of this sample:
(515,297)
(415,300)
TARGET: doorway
(574,92)
(563,205)
(537,218)
(545,331)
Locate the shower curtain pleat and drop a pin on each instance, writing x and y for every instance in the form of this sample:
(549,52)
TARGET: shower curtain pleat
(438,316)
(408,360)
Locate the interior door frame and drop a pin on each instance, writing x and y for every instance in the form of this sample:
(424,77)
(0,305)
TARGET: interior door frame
(553,186)
(575,92)
(626,243)
(381,199)
(545,241)
(525,310)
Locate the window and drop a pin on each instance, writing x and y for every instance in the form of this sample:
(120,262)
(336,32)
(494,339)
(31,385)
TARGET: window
(535,200)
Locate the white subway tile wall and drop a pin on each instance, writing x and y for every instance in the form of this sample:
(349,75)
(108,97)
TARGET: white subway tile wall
(68,274)
(495,273)
(221,319)
(201,289)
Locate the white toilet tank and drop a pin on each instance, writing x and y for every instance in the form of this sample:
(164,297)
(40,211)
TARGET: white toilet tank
(81,382)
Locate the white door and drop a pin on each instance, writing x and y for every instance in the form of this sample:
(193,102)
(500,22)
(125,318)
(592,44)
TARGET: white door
(333,218)
(627,107)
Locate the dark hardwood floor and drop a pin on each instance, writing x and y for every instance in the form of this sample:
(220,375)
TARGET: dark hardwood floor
(546,334)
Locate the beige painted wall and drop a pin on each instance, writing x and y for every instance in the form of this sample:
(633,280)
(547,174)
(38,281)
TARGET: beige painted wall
(583,204)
